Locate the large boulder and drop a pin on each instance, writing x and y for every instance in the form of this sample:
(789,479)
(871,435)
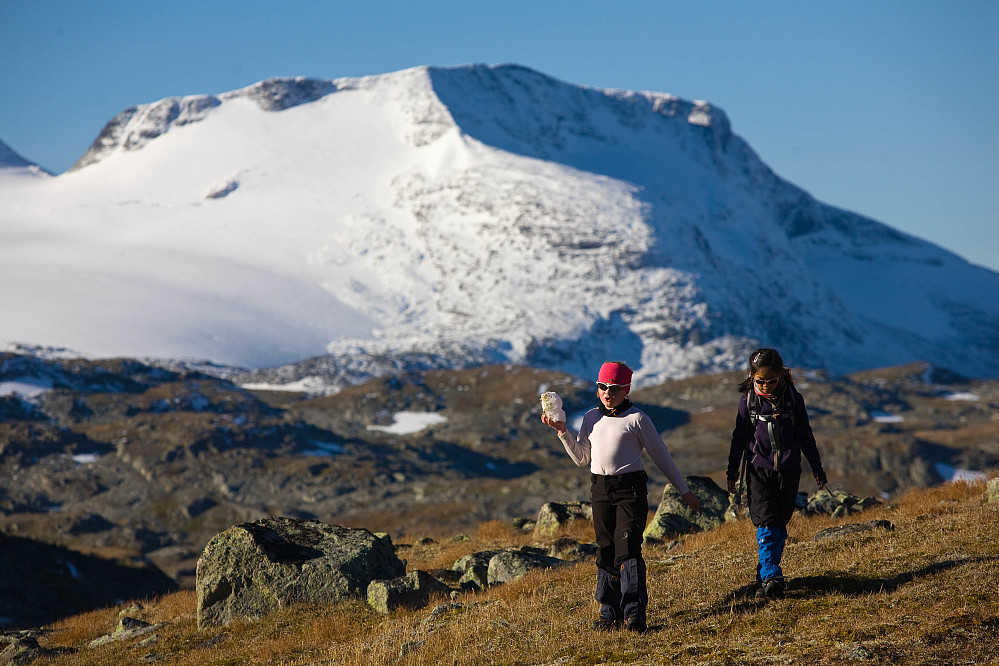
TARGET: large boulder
(255,568)
(554,515)
(674,517)
(413,590)
(509,565)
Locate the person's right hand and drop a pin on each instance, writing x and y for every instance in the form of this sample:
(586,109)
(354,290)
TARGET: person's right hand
(731,486)
(558,426)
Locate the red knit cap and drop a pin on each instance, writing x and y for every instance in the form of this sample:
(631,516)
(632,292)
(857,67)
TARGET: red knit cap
(615,373)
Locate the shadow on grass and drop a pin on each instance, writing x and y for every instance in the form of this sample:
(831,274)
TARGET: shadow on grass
(743,599)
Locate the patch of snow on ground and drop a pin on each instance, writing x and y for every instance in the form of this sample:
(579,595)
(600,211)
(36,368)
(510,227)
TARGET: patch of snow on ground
(954,474)
(86,458)
(26,387)
(969,397)
(311,385)
(885,417)
(407,423)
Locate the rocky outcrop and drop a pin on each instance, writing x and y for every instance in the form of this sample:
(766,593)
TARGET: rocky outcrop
(413,590)
(674,517)
(554,515)
(255,568)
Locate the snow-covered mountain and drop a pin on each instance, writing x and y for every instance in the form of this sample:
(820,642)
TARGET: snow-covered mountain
(458,215)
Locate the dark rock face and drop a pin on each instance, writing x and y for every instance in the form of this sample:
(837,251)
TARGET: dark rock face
(674,517)
(255,568)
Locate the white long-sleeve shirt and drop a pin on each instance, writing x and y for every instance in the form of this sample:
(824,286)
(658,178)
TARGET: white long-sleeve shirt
(614,444)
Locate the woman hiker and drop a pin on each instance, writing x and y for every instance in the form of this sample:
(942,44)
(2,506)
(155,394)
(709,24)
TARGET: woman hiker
(771,432)
(611,439)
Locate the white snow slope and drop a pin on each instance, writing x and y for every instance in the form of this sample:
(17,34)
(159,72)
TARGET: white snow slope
(467,214)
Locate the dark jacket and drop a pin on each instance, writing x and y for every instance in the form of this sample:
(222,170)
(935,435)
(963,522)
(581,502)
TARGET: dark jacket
(791,438)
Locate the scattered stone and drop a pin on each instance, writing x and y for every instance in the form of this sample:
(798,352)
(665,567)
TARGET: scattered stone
(992,490)
(567,548)
(441,609)
(511,565)
(555,515)
(475,578)
(523,524)
(457,538)
(426,541)
(128,627)
(838,503)
(674,517)
(859,652)
(411,591)
(480,558)
(852,528)
(255,568)
(24,650)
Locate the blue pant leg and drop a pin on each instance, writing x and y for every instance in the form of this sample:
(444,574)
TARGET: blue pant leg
(771,542)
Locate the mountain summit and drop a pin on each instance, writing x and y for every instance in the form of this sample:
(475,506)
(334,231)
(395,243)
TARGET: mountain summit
(461,215)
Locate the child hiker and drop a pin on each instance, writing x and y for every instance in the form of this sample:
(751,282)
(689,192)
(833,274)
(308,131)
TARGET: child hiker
(771,432)
(611,439)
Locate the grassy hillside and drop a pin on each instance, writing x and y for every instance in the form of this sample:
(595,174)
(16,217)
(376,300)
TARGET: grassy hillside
(925,593)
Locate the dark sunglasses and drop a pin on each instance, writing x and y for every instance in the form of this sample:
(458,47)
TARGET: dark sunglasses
(766,382)
(610,388)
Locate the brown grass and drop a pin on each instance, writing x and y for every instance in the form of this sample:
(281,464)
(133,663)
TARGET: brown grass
(927,592)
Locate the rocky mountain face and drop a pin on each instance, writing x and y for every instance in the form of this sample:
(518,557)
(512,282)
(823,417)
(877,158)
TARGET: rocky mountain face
(451,217)
(135,465)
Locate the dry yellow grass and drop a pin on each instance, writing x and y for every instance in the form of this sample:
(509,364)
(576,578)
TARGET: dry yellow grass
(925,593)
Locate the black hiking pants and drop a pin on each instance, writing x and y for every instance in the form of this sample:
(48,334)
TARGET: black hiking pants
(620,510)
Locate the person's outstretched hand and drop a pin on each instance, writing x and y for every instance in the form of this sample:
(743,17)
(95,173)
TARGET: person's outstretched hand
(558,426)
(692,501)
(731,486)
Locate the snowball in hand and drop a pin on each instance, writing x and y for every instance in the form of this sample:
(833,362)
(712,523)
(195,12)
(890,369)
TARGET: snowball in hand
(551,404)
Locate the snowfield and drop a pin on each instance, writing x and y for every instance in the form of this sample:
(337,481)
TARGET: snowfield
(457,216)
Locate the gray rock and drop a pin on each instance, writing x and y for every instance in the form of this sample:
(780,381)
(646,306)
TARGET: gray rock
(674,517)
(510,565)
(478,559)
(852,528)
(838,503)
(570,549)
(128,627)
(23,650)
(554,515)
(255,568)
(475,578)
(413,590)
(992,490)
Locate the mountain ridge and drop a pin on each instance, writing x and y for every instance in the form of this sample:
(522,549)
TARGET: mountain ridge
(487,214)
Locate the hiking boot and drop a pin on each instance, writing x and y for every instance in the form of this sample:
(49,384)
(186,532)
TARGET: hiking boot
(774,588)
(636,623)
(606,624)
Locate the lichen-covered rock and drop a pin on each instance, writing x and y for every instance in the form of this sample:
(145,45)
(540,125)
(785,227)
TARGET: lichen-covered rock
(992,490)
(674,517)
(255,568)
(509,565)
(553,515)
(837,503)
(478,559)
(475,578)
(413,590)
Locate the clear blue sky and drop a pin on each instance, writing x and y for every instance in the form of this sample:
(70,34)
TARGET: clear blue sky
(883,107)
